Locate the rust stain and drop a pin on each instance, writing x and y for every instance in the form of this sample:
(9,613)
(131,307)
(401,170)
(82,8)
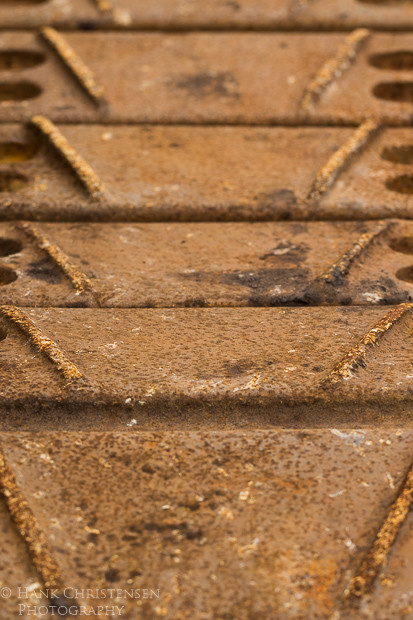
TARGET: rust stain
(75,64)
(368,571)
(80,167)
(28,528)
(328,174)
(79,280)
(357,355)
(324,577)
(334,67)
(41,342)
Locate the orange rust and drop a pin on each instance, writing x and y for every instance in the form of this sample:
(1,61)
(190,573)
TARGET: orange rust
(79,280)
(75,64)
(28,528)
(328,174)
(42,343)
(80,167)
(334,67)
(345,368)
(324,576)
(376,557)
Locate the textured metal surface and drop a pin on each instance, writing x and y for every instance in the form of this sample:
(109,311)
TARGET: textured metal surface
(16,569)
(195,488)
(215,367)
(203,513)
(394,598)
(206,264)
(175,173)
(37,13)
(193,14)
(211,78)
(263,14)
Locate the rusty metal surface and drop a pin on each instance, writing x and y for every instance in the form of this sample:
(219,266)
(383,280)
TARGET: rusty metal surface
(197,487)
(16,569)
(262,14)
(45,85)
(166,172)
(38,13)
(175,173)
(216,14)
(394,597)
(206,264)
(241,78)
(180,78)
(205,512)
(183,368)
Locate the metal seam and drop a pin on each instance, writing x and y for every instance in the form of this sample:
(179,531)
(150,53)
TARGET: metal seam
(356,357)
(45,345)
(335,274)
(327,175)
(75,64)
(334,67)
(84,172)
(376,557)
(28,528)
(79,280)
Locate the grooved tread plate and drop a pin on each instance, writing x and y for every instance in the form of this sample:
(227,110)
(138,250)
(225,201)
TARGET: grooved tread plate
(197,514)
(206,173)
(215,367)
(203,77)
(209,264)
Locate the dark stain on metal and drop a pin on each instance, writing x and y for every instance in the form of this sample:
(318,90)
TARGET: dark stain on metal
(202,85)
(281,199)
(45,270)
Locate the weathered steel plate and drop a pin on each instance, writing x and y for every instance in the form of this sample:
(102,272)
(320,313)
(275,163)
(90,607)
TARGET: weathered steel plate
(161,173)
(206,264)
(235,78)
(263,14)
(191,516)
(215,367)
